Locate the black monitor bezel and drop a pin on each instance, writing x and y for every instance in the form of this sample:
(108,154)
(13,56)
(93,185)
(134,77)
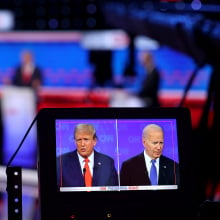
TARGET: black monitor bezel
(54,203)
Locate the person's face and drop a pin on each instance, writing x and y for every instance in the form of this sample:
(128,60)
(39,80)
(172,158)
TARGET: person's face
(85,143)
(26,57)
(147,61)
(153,143)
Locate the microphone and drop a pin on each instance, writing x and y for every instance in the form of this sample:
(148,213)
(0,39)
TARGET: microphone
(84,171)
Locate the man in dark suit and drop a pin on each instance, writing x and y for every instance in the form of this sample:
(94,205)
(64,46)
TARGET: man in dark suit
(27,73)
(151,82)
(136,170)
(71,169)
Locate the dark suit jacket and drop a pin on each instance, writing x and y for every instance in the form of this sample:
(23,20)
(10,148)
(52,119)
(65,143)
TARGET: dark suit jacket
(134,172)
(150,88)
(69,172)
(17,78)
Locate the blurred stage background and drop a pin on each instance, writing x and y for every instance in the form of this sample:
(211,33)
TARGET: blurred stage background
(70,38)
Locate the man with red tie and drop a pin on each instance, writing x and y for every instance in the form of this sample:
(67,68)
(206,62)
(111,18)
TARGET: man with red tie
(73,168)
(27,73)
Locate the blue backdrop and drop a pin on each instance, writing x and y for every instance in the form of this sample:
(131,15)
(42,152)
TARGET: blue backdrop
(67,64)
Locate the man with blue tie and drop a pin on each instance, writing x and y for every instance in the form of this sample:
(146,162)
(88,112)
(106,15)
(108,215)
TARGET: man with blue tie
(150,167)
(74,167)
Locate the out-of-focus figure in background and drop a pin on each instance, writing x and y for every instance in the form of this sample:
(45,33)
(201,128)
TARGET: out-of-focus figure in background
(151,83)
(27,73)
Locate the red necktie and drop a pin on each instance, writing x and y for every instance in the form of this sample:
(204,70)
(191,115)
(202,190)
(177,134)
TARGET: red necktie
(26,78)
(87,173)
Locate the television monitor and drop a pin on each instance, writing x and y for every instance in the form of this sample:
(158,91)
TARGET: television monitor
(119,132)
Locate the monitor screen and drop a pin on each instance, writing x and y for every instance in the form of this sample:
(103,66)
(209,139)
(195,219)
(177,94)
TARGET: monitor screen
(119,142)
(118,138)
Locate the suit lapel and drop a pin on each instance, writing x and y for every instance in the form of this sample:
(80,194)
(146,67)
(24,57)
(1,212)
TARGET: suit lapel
(77,169)
(96,168)
(143,171)
(162,171)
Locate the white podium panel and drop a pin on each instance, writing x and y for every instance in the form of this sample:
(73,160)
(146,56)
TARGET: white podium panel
(18,112)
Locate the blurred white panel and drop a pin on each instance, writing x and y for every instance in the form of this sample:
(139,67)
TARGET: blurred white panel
(105,40)
(18,111)
(6,20)
(122,98)
(146,43)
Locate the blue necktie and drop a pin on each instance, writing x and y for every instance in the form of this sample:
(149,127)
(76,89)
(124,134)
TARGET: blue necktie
(153,173)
